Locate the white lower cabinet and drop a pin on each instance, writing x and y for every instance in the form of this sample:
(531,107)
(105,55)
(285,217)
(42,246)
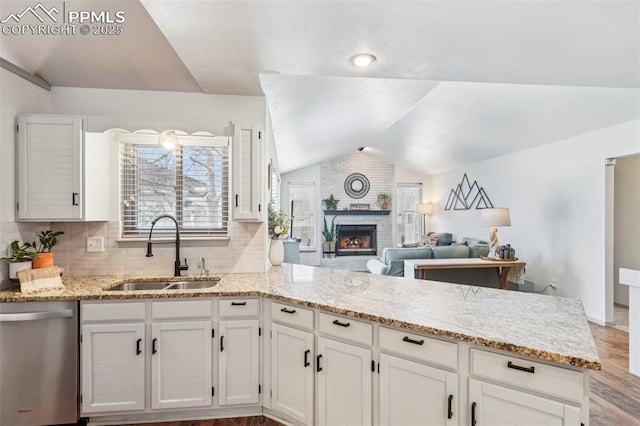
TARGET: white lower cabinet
(344,384)
(239,362)
(497,405)
(412,393)
(292,367)
(113,361)
(181,364)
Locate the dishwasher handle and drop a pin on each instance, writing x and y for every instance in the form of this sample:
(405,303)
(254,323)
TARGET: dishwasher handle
(35,316)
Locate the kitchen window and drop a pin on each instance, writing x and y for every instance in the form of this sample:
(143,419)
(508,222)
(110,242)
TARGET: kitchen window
(190,182)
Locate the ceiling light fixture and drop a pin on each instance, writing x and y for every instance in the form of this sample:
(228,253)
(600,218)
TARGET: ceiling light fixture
(168,140)
(362,60)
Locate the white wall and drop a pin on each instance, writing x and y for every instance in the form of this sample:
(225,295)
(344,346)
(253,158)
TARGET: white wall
(627,222)
(556,196)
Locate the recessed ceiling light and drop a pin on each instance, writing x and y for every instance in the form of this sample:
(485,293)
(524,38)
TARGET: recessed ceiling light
(362,60)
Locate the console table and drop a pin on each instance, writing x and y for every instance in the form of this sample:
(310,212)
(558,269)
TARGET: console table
(423,266)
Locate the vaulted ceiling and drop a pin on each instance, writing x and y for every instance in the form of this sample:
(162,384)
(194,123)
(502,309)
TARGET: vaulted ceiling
(455,82)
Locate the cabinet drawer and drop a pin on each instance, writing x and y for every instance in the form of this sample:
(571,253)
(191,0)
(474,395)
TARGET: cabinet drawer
(524,373)
(292,315)
(346,328)
(419,347)
(113,311)
(182,309)
(246,307)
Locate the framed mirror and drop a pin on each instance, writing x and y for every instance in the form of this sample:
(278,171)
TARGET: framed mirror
(356,185)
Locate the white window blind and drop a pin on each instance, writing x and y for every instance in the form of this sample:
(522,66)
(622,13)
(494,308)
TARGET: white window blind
(302,198)
(190,183)
(409,222)
(275,190)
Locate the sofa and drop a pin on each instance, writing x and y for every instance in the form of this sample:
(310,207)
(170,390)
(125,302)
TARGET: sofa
(392,263)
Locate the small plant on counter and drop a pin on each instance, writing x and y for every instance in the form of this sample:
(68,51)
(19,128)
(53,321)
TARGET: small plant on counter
(47,240)
(19,252)
(278,224)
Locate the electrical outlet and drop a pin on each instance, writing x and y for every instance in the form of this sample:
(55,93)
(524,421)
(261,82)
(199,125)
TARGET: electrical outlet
(554,283)
(95,245)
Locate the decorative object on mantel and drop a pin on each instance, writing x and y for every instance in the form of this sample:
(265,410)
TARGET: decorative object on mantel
(495,217)
(359,207)
(459,197)
(347,212)
(278,229)
(425,210)
(20,257)
(36,280)
(47,240)
(356,185)
(329,235)
(384,201)
(330,203)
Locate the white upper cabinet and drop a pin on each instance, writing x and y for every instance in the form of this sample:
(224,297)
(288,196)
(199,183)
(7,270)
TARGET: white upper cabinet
(248,173)
(62,172)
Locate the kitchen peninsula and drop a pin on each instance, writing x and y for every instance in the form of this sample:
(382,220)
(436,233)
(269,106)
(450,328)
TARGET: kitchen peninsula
(530,353)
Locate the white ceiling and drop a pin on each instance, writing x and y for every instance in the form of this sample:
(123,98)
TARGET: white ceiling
(455,82)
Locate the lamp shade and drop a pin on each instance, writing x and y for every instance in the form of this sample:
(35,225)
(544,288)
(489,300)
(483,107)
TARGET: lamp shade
(423,208)
(495,217)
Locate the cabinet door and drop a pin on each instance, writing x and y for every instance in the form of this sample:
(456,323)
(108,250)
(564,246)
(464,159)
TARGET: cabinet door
(49,167)
(248,170)
(181,364)
(292,366)
(497,405)
(239,360)
(416,394)
(344,383)
(112,367)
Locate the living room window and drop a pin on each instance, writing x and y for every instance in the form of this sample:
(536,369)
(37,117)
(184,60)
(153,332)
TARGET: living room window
(275,190)
(409,223)
(190,182)
(302,199)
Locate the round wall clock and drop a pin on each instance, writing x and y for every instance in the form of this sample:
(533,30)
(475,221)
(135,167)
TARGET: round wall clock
(356,185)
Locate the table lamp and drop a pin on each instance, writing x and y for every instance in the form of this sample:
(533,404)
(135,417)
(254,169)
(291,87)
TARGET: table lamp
(424,209)
(495,217)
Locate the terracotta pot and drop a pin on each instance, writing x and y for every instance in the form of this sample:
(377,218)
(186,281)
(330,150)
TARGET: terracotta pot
(44,260)
(384,206)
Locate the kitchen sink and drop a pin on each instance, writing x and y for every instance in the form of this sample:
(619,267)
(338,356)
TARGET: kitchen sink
(164,285)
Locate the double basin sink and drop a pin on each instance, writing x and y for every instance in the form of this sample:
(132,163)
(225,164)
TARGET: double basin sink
(165,285)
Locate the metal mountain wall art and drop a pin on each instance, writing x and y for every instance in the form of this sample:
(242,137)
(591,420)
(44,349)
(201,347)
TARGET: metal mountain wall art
(467,196)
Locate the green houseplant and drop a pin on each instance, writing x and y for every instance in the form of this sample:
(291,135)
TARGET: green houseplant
(384,201)
(46,241)
(329,235)
(19,258)
(330,203)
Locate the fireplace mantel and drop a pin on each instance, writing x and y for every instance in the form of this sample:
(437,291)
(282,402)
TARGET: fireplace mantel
(357,212)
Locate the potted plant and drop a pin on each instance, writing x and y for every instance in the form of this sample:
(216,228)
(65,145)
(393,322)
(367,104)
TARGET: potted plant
(44,256)
(19,258)
(384,201)
(329,235)
(330,203)
(278,229)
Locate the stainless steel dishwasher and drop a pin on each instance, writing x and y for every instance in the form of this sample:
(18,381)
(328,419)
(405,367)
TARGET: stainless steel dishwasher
(38,363)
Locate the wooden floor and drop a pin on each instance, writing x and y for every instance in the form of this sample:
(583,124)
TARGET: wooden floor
(615,393)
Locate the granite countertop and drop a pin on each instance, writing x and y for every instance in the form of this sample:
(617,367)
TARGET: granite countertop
(546,327)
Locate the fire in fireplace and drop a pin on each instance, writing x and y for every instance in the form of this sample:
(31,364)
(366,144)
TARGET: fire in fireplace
(356,240)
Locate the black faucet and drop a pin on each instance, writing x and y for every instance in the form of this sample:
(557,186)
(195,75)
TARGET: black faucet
(177,267)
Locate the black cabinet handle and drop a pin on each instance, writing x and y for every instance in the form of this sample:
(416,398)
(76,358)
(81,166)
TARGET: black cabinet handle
(259,208)
(473,414)
(153,346)
(221,343)
(531,369)
(238,303)
(318,368)
(450,407)
(236,200)
(138,349)
(415,342)
(74,198)
(342,324)
(288,311)
(306,357)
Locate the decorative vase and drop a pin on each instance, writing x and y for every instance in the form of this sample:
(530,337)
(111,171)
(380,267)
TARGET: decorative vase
(276,252)
(18,266)
(44,260)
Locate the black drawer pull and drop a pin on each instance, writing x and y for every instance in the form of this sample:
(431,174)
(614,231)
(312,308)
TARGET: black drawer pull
(450,407)
(236,200)
(138,349)
(342,324)
(306,357)
(221,343)
(74,198)
(153,346)
(473,414)
(318,368)
(531,369)
(288,311)
(415,342)
(238,303)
